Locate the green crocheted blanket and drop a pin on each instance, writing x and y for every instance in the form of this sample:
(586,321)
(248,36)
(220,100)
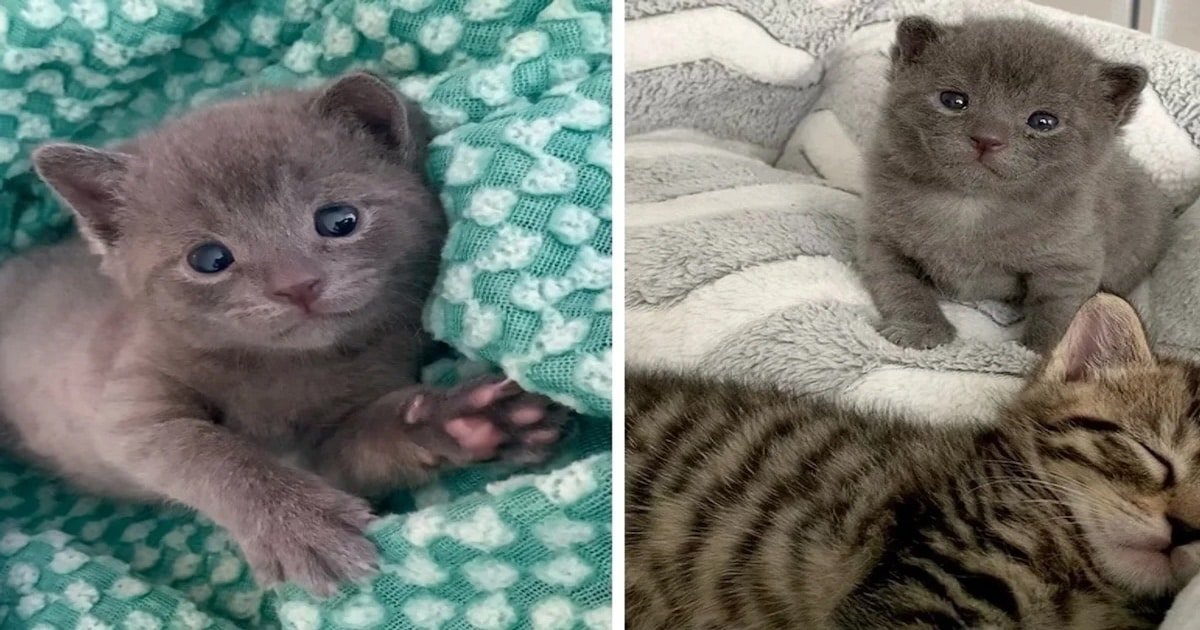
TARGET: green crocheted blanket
(519,92)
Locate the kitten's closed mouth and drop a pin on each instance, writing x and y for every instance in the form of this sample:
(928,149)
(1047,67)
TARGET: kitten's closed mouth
(987,167)
(1145,565)
(312,318)
(1157,567)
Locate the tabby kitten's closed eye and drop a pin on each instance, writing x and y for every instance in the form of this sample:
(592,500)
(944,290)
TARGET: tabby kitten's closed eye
(1079,507)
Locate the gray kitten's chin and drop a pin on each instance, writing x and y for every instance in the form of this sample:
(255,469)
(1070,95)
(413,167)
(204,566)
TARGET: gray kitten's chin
(319,332)
(302,334)
(311,335)
(962,170)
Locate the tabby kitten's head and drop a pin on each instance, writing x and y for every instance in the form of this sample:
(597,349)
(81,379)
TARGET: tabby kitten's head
(1117,433)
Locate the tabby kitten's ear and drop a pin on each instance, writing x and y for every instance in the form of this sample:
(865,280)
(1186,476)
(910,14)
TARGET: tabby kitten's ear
(1105,333)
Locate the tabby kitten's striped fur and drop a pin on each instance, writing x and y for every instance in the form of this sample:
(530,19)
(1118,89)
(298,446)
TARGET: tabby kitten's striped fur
(1075,509)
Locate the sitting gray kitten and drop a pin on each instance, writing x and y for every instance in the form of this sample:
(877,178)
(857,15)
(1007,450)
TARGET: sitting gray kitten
(996,174)
(249,341)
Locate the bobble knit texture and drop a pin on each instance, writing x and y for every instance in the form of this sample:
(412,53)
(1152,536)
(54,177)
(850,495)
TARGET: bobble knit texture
(519,93)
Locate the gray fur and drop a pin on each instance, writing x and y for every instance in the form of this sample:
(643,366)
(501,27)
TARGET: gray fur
(156,382)
(1049,218)
(1172,290)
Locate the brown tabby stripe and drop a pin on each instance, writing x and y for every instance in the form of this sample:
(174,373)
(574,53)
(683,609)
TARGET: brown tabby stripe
(705,450)
(926,619)
(1084,423)
(662,456)
(955,530)
(978,587)
(1193,377)
(1117,461)
(915,571)
(727,487)
(783,495)
(896,571)
(730,492)
(995,541)
(1120,462)
(1193,410)
(674,421)
(1068,453)
(719,449)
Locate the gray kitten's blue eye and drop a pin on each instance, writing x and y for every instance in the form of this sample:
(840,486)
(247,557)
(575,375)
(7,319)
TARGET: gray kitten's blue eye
(210,257)
(336,220)
(1042,121)
(953,100)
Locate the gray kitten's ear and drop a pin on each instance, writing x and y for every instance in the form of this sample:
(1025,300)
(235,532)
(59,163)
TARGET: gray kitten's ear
(89,181)
(1122,84)
(913,36)
(1105,333)
(368,102)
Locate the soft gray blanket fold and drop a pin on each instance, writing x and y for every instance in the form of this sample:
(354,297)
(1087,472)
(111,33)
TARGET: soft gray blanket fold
(747,121)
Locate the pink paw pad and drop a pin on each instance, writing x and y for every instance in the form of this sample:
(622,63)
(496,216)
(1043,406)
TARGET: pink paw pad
(486,395)
(541,437)
(525,416)
(477,436)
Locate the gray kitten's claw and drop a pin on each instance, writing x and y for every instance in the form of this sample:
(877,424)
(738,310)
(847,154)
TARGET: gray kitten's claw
(919,335)
(316,542)
(486,418)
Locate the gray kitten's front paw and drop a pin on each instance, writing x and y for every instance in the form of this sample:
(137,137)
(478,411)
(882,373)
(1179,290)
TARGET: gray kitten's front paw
(487,418)
(918,334)
(313,538)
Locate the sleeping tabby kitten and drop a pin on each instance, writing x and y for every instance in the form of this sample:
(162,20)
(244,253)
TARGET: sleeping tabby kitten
(1075,509)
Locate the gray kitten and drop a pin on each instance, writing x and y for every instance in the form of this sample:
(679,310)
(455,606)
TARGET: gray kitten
(996,174)
(249,342)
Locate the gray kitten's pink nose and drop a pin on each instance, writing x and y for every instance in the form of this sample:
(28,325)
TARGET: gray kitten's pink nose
(984,143)
(302,293)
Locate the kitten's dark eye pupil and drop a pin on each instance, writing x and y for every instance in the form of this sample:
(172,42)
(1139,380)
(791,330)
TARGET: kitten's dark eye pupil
(336,220)
(1042,121)
(210,258)
(953,100)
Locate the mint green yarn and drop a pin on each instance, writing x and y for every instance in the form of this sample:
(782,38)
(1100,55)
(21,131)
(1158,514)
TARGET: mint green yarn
(519,92)
(482,549)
